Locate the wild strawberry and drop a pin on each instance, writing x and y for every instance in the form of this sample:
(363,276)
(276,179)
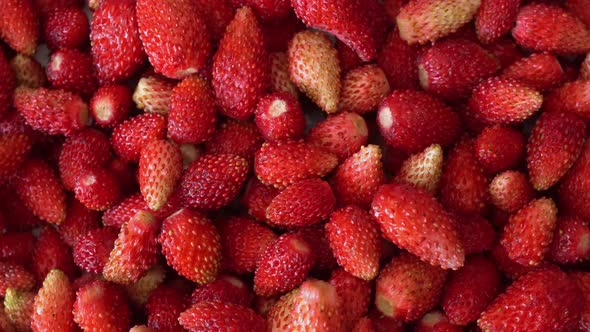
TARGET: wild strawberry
(436,321)
(423,170)
(224,316)
(153,92)
(528,234)
(163,307)
(14,149)
(585,69)
(53,304)
(303,203)
(354,295)
(51,111)
(110,105)
(199,259)
(217,16)
(494,19)
(541,71)
(97,189)
(15,276)
(135,250)
(415,221)
(399,60)
(314,68)
(241,75)
(571,241)
(407,287)
(91,251)
(502,101)
(279,74)
(27,71)
(101,305)
(257,196)
(141,328)
(279,116)
(79,220)
(66,28)
(555,143)
(510,191)
(547,290)
(542,27)
(19,25)
(117,51)
(226,289)
(413,120)
(52,253)
(363,89)
(499,148)
(16,247)
(283,163)
(160,167)
(476,233)
(132,135)
(450,69)
(572,97)
(235,137)
(342,134)
(19,307)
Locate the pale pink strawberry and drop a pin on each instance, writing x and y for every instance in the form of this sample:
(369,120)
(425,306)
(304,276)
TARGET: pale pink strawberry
(363,89)
(423,170)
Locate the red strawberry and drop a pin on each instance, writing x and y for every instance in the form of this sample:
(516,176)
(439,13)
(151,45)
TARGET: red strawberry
(510,191)
(257,196)
(436,321)
(528,234)
(153,92)
(279,116)
(284,265)
(111,104)
(163,307)
(244,242)
(135,249)
(160,167)
(241,75)
(314,68)
(469,290)
(499,148)
(225,288)
(132,135)
(91,251)
(51,111)
(278,33)
(414,220)
(14,149)
(543,27)
(101,305)
(363,89)
(495,19)
(476,233)
(66,27)
(450,69)
(217,15)
(235,137)
(413,120)
(39,188)
(15,276)
(348,58)
(355,240)
(423,170)
(572,97)
(398,60)
(117,51)
(19,25)
(541,71)
(192,114)
(121,213)
(54,304)
(354,295)
(549,293)
(342,134)
(191,245)
(314,306)
(502,101)
(7,84)
(16,247)
(97,189)
(279,74)
(222,316)
(52,253)
(79,220)
(555,143)
(428,20)
(27,71)
(19,307)
(407,287)
(283,163)
(571,241)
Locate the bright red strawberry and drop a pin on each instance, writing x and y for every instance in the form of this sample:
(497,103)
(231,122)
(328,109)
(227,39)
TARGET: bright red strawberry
(14,149)
(53,304)
(19,307)
(163,307)
(572,97)
(436,321)
(476,233)
(222,316)
(7,84)
(111,104)
(235,137)
(16,247)
(135,249)
(542,27)
(342,134)
(244,242)
(571,241)
(510,191)
(499,148)
(555,143)
(51,111)
(495,19)
(314,68)
(52,253)
(528,234)
(279,74)
(153,92)
(40,189)
(279,116)
(421,21)
(415,221)
(132,135)
(217,15)
(191,245)
(79,220)
(502,101)
(423,170)
(15,276)
(225,288)
(407,287)
(450,69)
(117,51)
(66,28)
(91,251)
(413,120)
(541,71)
(241,75)
(283,163)
(19,25)
(399,62)
(542,300)
(355,240)
(257,196)
(160,167)
(363,89)
(97,189)
(101,306)
(27,71)
(83,150)
(354,295)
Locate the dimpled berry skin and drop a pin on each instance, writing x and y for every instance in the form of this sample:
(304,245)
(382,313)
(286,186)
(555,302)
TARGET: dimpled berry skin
(218,316)
(160,167)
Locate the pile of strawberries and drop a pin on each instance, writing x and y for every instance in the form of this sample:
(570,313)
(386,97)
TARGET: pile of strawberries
(295,165)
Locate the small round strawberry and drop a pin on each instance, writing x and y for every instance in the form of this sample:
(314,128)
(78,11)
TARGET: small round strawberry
(398,61)
(66,28)
(160,167)
(279,116)
(354,295)
(237,137)
(15,276)
(541,71)
(363,89)
(571,241)
(476,233)
(348,58)
(97,189)
(110,105)
(101,305)
(510,191)
(221,316)
(79,220)
(279,74)
(91,251)
(53,304)
(342,134)
(226,289)
(52,253)
(28,71)
(423,170)
(132,135)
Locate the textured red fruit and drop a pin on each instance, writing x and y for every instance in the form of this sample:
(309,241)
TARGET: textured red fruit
(66,28)
(495,18)
(436,321)
(225,288)
(16,247)
(257,196)
(152,93)
(575,186)
(163,307)
(499,148)
(541,71)
(279,117)
(52,253)
(571,241)
(53,304)
(510,191)
(235,137)
(221,316)
(354,295)
(363,89)
(110,105)
(398,60)
(101,305)
(342,134)
(160,167)
(572,97)
(16,277)
(19,25)
(91,251)
(14,149)
(79,220)
(217,14)
(132,135)
(7,84)
(476,233)
(279,74)
(97,189)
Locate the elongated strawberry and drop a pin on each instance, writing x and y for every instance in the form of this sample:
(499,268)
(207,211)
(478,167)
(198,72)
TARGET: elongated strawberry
(571,241)
(241,75)
(19,307)
(415,221)
(494,19)
(354,295)
(279,116)
(16,277)
(279,74)
(363,89)
(510,191)
(224,316)
(342,134)
(423,170)
(160,167)
(110,104)
(314,68)
(236,137)
(132,135)
(153,92)
(543,27)
(19,25)
(407,287)
(14,149)
(413,120)
(52,253)
(499,148)
(27,71)
(399,60)
(541,71)
(450,69)
(97,189)
(164,306)
(572,97)
(53,304)
(101,305)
